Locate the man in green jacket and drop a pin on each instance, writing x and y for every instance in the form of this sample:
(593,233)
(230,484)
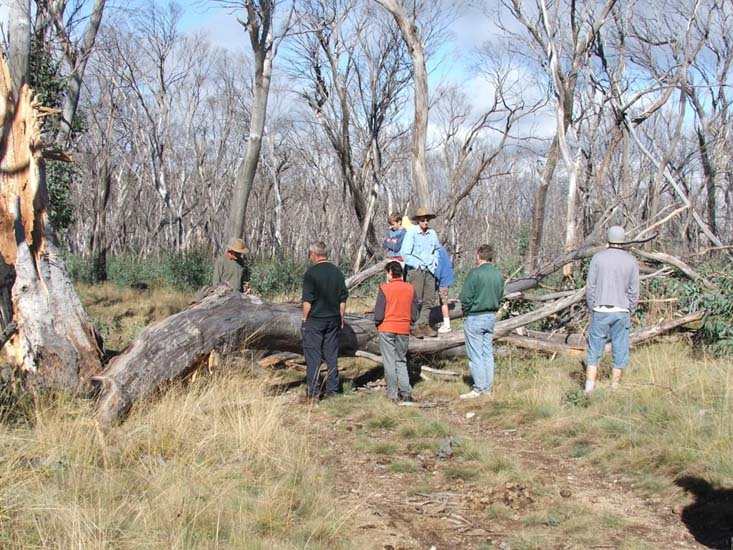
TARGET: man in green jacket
(480,297)
(230,268)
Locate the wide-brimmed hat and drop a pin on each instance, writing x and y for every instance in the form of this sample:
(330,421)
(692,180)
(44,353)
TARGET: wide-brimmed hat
(615,234)
(237,245)
(423,213)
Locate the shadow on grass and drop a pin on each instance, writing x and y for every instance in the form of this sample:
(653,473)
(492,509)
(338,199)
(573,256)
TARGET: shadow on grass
(710,518)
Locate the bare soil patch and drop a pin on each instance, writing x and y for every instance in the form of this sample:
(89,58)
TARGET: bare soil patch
(469,484)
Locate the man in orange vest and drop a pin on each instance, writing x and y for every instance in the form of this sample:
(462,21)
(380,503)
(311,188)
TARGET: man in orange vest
(395,310)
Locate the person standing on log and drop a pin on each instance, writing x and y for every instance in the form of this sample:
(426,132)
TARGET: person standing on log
(480,297)
(612,294)
(395,235)
(420,250)
(324,307)
(394,312)
(231,267)
(444,276)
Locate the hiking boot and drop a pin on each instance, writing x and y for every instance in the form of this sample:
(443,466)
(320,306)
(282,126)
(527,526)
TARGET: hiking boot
(308,400)
(428,331)
(419,332)
(406,398)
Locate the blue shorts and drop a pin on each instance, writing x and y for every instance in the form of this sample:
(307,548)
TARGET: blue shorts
(609,325)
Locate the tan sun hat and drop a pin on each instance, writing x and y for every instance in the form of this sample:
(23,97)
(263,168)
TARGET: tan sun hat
(423,213)
(237,245)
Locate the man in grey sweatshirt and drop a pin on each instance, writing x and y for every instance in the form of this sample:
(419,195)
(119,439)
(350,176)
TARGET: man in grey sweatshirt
(612,294)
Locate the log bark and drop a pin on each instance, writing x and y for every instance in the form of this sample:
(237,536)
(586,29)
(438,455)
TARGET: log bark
(577,346)
(222,319)
(55,339)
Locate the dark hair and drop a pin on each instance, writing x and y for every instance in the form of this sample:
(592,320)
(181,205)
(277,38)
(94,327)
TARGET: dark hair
(485,252)
(394,269)
(395,217)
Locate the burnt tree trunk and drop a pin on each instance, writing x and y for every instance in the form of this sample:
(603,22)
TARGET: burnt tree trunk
(55,340)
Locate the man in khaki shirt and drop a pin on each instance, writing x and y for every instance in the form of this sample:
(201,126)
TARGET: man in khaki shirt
(230,267)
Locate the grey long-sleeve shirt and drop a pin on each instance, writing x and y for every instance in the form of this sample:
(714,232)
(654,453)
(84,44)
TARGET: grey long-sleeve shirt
(613,280)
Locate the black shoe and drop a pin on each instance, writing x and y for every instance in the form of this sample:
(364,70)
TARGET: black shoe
(406,398)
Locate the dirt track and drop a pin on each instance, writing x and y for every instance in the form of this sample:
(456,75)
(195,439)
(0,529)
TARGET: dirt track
(388,509)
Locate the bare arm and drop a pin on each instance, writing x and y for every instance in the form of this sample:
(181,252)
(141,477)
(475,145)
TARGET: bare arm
(306,310)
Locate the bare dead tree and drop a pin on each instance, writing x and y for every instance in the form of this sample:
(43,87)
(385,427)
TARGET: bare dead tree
(414,41)
(259,23)
(55,341)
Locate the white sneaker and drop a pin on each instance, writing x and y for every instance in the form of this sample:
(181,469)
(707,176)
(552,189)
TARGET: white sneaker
(473,394)
(443,329)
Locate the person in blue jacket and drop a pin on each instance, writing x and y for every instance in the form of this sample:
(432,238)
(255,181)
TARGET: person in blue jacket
(444,279)
(394,238)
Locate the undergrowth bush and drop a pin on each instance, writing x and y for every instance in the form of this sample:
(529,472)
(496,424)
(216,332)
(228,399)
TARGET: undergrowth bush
(271,277)
(715,333)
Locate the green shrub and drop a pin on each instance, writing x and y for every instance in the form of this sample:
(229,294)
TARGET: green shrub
(715,333)
(132,271)
(79,268)
(271,278)
(190,270)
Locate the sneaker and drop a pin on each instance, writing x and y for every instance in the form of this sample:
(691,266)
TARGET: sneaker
(444,329)
(473,394)
(406,398)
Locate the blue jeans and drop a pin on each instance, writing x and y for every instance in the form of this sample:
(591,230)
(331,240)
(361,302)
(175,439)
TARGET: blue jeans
(615,325)
(479,331)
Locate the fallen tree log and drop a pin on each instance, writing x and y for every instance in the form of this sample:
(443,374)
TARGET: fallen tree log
(550,344)
(223,319)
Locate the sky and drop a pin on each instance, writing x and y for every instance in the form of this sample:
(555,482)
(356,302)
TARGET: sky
(451,63)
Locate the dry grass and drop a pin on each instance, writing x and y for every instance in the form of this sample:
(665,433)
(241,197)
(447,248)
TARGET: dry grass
(211,465)
(120,313)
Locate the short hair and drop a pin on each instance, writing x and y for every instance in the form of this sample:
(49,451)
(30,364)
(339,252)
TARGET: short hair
(394,268)
(318,248)
(485,252)
(395,217)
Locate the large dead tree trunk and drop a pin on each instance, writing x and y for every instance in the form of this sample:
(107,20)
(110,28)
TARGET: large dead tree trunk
(55,339)
(19,48)
(259,27)
(223,319)
(412,39)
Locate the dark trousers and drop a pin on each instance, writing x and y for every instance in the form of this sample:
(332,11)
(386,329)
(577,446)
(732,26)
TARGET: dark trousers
(321,343)
(425,290)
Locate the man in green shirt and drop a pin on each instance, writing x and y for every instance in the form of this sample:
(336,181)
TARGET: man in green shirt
(480,297)
(229,269)
(324,306)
